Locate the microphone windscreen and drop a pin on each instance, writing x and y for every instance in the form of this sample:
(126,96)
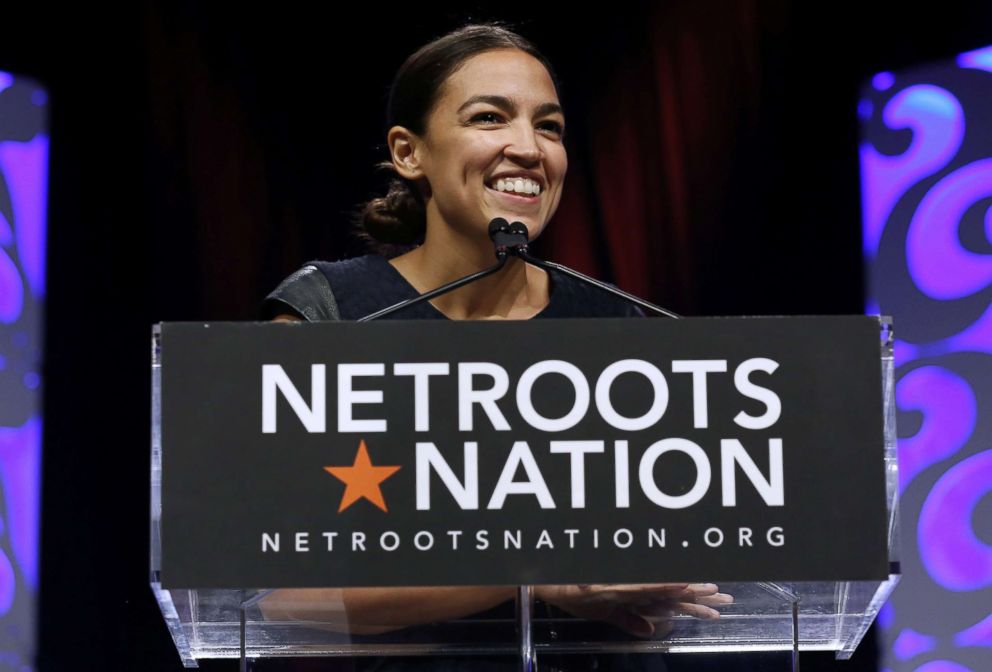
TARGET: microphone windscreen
(520,229)
(496,226)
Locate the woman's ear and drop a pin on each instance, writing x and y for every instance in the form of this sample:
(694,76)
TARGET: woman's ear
(405,149)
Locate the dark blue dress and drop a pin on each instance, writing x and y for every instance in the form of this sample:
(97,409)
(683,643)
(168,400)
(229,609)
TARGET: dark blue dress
(364,285)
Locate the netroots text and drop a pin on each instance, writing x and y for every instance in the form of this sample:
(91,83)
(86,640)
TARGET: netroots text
(485,385)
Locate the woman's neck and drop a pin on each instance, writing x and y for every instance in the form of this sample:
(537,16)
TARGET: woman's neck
(517,292)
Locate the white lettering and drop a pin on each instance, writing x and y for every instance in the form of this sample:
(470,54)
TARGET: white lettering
(578,450)
(534,485)
(646,473)
(699,368)
(425,546)
(313,416)
(713,537)
(525,403)
(468,395)
(772,489)
(466,493)
(421,373)
(393,544)
(348,397)
(605,405)
(621,474)
(762,394)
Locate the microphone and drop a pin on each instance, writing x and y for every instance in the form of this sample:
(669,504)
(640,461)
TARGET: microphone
(513,240)
(508,238)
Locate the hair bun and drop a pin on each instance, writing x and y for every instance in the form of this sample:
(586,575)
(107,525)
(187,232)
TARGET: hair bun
(398,218)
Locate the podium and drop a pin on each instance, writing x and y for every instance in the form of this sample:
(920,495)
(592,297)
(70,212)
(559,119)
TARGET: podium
(219,389)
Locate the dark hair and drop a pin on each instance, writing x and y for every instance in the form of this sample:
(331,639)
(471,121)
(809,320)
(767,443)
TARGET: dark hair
(399,218)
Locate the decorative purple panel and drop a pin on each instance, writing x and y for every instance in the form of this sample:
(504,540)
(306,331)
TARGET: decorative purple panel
(926,169)
(23,199)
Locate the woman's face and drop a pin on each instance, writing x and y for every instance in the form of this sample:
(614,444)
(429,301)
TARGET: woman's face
(497,115)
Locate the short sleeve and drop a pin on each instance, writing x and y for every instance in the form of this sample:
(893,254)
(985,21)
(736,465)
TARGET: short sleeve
(306,293)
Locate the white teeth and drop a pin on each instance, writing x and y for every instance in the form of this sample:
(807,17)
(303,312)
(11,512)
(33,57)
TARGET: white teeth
(518,185)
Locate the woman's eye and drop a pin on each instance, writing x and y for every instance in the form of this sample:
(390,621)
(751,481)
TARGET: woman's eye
(486,116)
(494,118)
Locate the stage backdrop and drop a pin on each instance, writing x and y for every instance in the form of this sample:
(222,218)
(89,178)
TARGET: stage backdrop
(23,187)
(926,163)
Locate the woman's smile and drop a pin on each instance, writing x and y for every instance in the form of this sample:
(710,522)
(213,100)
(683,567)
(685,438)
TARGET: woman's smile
(515,200)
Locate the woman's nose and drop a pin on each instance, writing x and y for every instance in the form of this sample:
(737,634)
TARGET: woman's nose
(525,147)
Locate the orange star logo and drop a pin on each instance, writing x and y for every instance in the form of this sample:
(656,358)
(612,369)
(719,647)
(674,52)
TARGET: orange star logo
(362,479)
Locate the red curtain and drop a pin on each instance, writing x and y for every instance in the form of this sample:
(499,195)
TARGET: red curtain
(643,196)
(662,137)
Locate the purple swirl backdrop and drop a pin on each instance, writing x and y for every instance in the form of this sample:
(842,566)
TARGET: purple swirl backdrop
(23,197)
(926,166)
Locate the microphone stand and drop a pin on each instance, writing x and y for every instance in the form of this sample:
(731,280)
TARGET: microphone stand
(512,239)
(636,300)
(499,233)
(443,289)
(520,233)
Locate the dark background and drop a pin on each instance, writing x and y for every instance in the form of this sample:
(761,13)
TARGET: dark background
(202,151)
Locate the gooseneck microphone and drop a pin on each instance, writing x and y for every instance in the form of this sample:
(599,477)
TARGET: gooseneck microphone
(507,237)
(513,240)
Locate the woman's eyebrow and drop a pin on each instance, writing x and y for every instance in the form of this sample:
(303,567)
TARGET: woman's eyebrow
(509,106)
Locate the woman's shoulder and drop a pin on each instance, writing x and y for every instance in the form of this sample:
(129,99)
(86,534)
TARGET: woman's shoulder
(354,268)
(316,290)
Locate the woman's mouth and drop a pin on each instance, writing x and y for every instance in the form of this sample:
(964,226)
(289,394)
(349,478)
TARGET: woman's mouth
(516,199)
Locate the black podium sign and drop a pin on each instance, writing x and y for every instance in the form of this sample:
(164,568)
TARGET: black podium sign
(521,452)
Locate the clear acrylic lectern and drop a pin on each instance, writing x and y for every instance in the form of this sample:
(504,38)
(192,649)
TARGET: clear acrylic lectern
(765,616)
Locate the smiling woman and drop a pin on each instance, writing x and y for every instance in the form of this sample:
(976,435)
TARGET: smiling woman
(475,132)
(492,147)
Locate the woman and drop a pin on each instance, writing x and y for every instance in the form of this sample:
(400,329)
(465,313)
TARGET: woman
(475,132)
(471,113)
